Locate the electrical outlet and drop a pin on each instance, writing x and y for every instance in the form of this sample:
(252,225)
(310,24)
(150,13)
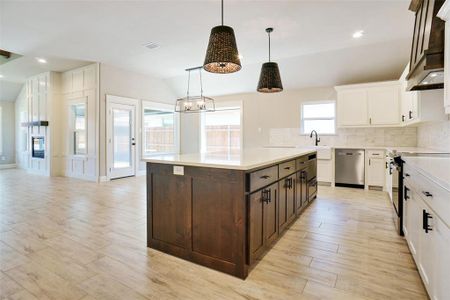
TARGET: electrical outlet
(178,170)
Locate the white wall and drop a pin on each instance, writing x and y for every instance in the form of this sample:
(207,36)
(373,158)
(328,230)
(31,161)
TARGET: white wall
(7,155)
(21,134)
(261,113)
(119,82)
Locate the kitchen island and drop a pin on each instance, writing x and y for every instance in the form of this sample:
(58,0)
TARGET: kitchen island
(225,211)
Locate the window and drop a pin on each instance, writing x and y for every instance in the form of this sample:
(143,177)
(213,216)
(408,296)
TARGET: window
(79,129)
(221,130)
(319,116)
(160,129)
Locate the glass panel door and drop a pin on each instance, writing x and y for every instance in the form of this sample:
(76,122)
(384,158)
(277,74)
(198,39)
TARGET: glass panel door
(122,138)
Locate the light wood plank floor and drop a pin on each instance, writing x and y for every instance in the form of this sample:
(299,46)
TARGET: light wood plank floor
(69,239)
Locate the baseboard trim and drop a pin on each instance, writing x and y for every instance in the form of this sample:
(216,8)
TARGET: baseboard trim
(103,179)
(8,166)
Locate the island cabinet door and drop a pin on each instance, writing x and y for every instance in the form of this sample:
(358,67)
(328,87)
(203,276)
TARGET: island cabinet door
(290,201)
(286,211)
(271,215)
(256,221)
(301,198)
(263,220)
(170,210)
(282,203)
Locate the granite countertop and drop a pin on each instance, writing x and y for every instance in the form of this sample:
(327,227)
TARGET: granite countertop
(437,169)
(247,159)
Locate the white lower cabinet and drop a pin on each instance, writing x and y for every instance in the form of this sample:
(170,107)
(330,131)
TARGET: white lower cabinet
(324,170)
(375,172)
(427,235)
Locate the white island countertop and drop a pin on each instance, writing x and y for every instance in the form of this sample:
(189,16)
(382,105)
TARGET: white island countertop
(247,159)
(437,169)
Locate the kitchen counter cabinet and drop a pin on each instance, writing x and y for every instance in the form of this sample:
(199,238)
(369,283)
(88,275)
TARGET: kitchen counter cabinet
(226,218)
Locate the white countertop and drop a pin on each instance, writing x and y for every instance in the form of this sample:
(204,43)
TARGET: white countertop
(247,159)
(437,169)
(405,150)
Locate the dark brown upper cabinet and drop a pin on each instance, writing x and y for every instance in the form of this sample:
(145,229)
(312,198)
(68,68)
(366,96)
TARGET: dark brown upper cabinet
(427,49)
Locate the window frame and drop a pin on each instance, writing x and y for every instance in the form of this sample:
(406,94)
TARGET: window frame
(222,105)
(71,141)
(176,119)
(302,119)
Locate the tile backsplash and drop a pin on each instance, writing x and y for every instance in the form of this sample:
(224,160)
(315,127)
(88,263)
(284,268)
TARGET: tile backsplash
(435,135)
(351,137)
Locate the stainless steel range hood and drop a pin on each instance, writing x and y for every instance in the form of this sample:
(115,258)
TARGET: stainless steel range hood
(427,49)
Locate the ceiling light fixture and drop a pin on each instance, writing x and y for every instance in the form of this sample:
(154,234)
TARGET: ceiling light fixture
(1,75)
(193,104)
(269,79)
(358,34)
(41,60)
(222,55)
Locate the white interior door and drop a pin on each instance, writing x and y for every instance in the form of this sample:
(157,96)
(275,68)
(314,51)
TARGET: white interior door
(121,139)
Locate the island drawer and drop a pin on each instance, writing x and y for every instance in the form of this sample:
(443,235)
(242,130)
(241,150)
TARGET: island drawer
(287,168)
(261,178)
(302,162)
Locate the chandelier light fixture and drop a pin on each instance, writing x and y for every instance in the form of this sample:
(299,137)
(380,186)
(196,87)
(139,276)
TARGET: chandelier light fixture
(269,79)
(222,55)
(194,104)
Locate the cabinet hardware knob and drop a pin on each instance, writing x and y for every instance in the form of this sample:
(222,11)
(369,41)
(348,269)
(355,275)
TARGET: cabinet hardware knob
(265,177)
(287,168)
(427,194)
(407,175)
(403,118)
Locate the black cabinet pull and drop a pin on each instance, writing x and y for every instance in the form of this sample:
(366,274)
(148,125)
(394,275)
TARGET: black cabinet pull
(406,193)
(407,175)
(287,168)
(427,194)
(386,165)
(265,177)
(410,114)
(425,217)
(269,192)
(403,118)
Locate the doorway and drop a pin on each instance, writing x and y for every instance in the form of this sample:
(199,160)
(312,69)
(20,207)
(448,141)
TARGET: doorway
(121,136)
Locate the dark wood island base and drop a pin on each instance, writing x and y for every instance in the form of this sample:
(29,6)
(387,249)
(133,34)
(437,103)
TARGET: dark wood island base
(225,219)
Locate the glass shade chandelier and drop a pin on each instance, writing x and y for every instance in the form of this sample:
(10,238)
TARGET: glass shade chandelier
(222,55)
(269,79)
(195,104)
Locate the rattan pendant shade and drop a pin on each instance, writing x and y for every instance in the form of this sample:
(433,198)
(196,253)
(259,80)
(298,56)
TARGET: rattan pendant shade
(270,79)
(222,55)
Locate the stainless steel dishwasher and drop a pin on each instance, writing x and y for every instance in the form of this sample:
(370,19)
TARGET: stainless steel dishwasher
(349,168)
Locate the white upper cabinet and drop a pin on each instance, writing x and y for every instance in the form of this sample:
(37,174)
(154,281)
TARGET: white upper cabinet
(444,14)
(366,105)
(352,108)
(384,105)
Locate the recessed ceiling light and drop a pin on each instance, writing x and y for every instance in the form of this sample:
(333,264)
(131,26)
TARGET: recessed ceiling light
(358,34)
(1,76)
(41,60)
(151,45)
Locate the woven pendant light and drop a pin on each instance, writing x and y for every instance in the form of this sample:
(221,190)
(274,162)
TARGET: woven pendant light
(222,55)
(269,79)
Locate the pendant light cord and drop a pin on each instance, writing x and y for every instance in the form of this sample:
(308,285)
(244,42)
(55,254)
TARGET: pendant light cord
(201,84)
(189,80)
(269,45)
(222,12)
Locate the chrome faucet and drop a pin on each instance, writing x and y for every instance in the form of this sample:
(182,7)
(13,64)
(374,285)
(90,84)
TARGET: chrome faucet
(317,137)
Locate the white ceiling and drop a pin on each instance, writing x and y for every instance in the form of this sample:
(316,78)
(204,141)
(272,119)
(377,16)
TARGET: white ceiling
(15,72)
(312,39)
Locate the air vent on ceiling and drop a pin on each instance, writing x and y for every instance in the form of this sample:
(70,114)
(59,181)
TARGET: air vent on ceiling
(151,45)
